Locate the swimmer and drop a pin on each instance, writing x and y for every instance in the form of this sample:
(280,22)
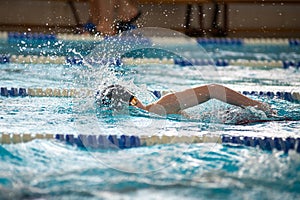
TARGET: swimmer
(174,103)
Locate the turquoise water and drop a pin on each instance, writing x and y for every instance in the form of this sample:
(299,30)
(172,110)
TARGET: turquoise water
(54,170)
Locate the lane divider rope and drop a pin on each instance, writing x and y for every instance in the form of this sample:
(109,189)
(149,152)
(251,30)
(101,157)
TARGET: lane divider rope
(15,36)
(130,141)
(250,41)
(55,92)
(78,37)
(48,92)
(219,62)
(41,37)
(33,59)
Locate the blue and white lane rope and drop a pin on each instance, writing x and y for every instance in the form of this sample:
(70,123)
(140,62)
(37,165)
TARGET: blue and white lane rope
(41,37)
(48,92)
(249,41)
(219,62)
(55,92)
(33,59)
(15,36)
(130,141)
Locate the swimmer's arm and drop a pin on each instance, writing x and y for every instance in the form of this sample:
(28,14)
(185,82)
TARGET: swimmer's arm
(232,97)
(167,104)
(174,103)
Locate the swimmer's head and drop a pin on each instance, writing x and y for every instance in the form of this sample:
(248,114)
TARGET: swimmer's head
(115,97)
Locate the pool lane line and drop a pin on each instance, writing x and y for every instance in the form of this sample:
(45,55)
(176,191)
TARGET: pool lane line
(250,41)
(41,37)
(71,60)
(218,62)
(130,141)
(48,92)
(83,93)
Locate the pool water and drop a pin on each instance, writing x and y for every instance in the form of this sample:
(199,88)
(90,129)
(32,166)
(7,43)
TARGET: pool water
(51,169)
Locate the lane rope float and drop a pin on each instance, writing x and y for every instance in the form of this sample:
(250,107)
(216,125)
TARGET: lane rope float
(50,92)
(130,141)
(34,59)
(16,36)
(68,93)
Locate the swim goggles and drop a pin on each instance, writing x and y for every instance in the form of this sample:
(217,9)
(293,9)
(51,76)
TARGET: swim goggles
(133,101)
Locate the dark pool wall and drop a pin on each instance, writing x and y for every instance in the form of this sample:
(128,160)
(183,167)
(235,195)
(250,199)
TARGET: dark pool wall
(254,19)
